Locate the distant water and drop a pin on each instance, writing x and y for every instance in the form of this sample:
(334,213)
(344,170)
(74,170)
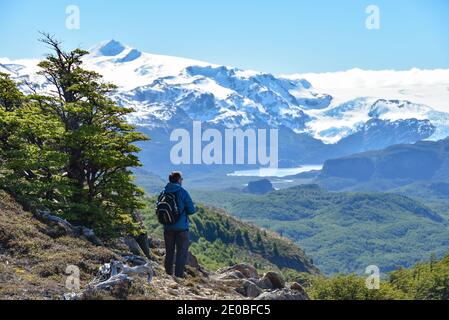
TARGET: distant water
(275,172)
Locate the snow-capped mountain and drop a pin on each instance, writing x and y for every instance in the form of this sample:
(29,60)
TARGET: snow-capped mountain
(334,123)
(158,87)
(169,92)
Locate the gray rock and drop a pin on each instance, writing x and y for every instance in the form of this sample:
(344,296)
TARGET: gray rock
(264,283)
(248,289)
(235,274)
(89,235)
(246,269)
(276,279)
(297,287)
(283,294)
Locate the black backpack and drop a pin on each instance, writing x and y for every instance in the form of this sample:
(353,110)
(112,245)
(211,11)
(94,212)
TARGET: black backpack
(167,208)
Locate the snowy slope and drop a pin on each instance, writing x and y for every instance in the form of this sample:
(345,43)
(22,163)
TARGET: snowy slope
(165,91)
(336,122)
(360,95)
(159,87)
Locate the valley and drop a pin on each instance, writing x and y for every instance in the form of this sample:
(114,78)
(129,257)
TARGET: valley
(344,232)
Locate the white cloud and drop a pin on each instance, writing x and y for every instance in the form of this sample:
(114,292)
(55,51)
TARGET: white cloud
(430,87)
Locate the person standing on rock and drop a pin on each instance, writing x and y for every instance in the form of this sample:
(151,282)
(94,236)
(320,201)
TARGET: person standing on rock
(174,206)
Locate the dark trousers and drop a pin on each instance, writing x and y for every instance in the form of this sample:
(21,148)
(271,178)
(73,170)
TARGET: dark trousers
(178,240)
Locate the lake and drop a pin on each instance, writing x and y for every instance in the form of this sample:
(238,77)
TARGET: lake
(275,172)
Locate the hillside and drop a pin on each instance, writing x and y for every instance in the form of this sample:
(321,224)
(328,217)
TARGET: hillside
(220,240)
(344,232)
(34,256)
(389,168)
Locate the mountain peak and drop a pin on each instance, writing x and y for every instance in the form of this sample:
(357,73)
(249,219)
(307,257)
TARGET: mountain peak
(109,48)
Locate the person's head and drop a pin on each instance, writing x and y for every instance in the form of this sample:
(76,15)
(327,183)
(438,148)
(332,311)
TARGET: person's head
(175,177)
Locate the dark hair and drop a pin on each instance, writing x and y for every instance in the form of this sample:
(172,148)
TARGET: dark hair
(175,177)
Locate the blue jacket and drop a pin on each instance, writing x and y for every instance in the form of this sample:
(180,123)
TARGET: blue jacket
(185,206)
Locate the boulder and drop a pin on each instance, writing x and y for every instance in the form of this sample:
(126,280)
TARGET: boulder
(248,289)
(283,294)
(297,287)
(276,279)
(264,283)
(236,274)
(233,274)
(246,269)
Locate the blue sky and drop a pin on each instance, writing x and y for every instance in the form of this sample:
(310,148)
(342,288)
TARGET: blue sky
(282,36)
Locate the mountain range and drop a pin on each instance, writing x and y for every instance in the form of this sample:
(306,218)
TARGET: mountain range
(170,92)
(393,167)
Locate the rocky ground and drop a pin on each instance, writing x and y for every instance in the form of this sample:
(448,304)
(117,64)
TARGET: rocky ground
(36,255)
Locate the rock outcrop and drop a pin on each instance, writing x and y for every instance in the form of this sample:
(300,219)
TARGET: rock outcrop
(259,187)
(283,294)
(271,286)
(275,279)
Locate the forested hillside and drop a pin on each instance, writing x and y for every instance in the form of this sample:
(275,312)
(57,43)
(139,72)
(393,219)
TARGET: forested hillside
(220,240)
(343,231)
(386,169)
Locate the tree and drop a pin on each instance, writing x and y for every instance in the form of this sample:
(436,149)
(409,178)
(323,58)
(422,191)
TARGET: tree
(433,260)
(10,100)
(238,238)
(74,144)
(247,239)
(30,164)
(98,141)
(275,250)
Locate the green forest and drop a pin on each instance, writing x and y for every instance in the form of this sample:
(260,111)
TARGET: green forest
(344,231)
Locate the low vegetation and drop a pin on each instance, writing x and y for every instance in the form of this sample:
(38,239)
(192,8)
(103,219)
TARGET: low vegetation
(424,281)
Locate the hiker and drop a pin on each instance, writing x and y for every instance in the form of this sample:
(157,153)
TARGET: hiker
(173,209)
